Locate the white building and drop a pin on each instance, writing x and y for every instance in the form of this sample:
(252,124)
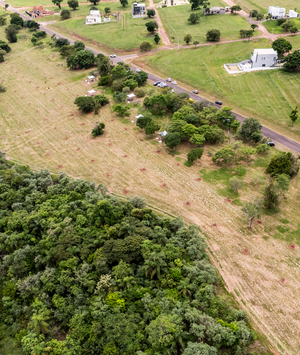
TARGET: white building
(93,18)
(263,58)
(276,12)
(138,10)
(215,10)
(293,14)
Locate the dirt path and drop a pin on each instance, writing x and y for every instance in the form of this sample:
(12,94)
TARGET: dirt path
(162,32)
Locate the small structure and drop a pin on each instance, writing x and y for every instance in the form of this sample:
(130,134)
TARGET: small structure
(276,12)
(92,92)
(175,2)
(130,97)
(293,14)
(93,18)
(263,58)
(215,10)
(91,77)
(139,116)
(39,11)
(138,10)
(163,134)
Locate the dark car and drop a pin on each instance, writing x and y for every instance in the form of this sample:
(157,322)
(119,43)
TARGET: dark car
(218,102)
(156,83)
(271,144)
(195,91)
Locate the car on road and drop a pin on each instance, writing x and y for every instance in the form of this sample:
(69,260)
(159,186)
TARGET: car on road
(174,82)
(195,91)
(137,70)
(271,144)
(162,85)
(156,83)
(112,56)
(169,80)
(218,102)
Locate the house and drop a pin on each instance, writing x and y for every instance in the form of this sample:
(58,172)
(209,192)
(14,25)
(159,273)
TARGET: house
(276,12)
(138,10)
(293,14)
(263,58)
(215,10)
(93,18)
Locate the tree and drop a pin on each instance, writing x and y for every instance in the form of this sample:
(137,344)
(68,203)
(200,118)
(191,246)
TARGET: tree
(282,163)
(213,35)
(187,38)
(60,42)
(131,83)
(292,61)
(260,17)
(294,30)
(195,4)
(195,43)
(98,129)
(73,4)
(2,20)
(246,152)
(145,47)
(235,8)
(150,13)
(5,46)
(57,3)
(281,46)
(2,53)
(198,139)
(249,34)
(262,148)
(64,51)
(156,38)
(151,128)
(194,18)
(94,2)
(151,26)
(82,59)
(6,6)
(248,129)
(293,116)
(275,189)
(38,323)
(252,210)
(124,3)
(32,25)
(224,156)
(286,26)
(11,34)
(65,14)
(253,26)
(142,122)
(78,45)
(172,140)
(122,110)
(184,288)
(253,13)
(85,103)
(194,154)
(16,19)
(107,10)
(235,184)
(199,349)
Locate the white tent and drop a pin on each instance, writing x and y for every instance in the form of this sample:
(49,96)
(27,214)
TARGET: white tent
(130,97)
(163,134)
(139,116)
(91,77)
(91,92)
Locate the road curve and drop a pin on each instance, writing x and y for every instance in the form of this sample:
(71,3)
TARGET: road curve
(274,136)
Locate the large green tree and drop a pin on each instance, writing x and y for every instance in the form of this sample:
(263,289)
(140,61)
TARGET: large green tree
(292,61)
(57,3)
(281,46)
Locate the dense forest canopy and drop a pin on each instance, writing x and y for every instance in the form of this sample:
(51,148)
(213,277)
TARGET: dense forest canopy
(83,272)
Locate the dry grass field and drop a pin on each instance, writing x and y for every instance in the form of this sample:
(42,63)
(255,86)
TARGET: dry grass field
(41,127)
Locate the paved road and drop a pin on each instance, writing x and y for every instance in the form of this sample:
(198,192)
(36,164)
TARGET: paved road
(274,136)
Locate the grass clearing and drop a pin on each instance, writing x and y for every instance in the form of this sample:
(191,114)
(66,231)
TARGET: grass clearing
(263,6)
(124,35)
(176,24)
(41,127)
(269,96)
(272,25)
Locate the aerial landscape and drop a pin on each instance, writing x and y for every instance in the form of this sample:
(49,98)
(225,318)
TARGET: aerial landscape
(149,177)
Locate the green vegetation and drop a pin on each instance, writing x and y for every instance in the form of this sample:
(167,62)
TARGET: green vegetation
(263,6)
(126,34)
(113,265)
(270,94)
(176,24)
(273,25)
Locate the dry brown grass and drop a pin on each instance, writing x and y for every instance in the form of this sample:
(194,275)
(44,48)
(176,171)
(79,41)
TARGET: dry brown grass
(42,128)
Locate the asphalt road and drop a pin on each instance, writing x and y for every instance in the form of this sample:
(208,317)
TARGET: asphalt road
(274,136)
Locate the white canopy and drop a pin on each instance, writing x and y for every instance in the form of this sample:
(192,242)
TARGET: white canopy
(139,116)
(163,134)
(91,91)
(130,96)
(91,77)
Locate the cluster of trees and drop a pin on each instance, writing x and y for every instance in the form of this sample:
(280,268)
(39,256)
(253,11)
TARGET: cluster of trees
(87,104)
(147,123)
(291,61)
(258,16)
(37,36)
(287,26)
(108,276)
(4,48)
(16,24)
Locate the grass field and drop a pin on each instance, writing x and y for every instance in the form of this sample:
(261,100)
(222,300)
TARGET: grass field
(263,6)
(176,24)
(125,35)
(269,95)
(41,127)
(278,29)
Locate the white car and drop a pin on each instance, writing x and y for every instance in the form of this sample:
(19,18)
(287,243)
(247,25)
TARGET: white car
(162,85)
(137,70)
(174,82)
(112,56)
(169,80)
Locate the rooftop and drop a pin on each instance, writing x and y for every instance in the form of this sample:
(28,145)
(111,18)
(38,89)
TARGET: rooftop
(264,51)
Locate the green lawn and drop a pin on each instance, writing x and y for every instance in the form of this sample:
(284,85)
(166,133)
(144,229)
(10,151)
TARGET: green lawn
(269,95)
(176,24)
(21,3)
(125,35)
(272,24)
(263,6)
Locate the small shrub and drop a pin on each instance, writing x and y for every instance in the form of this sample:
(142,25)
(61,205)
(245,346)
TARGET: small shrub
(139,92)
(2,88)
(65,14)
(98,129)
(145,47)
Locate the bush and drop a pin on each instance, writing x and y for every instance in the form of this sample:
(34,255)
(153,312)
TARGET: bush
(98,129)
(145,47)
(60,42)
(85,103)
(281,21)
(139,92)
(11,33)
(194,154)
(213,35)
(235,184)
(126,90)
(2,88)
(101,99)
(40,34)
(105,80)
(5,46)
(2,20)
(65,14)
(262,149)
(16,20)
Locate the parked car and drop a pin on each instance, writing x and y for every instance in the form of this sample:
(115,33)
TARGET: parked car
(169,80)
(156,83)
(137,70)
(112,56)
(162,85)
(271,144)
(174,82)
(195,91)
(218,102)
(280,61)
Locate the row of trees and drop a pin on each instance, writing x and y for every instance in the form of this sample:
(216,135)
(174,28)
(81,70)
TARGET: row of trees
(73,4)
(108,276)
